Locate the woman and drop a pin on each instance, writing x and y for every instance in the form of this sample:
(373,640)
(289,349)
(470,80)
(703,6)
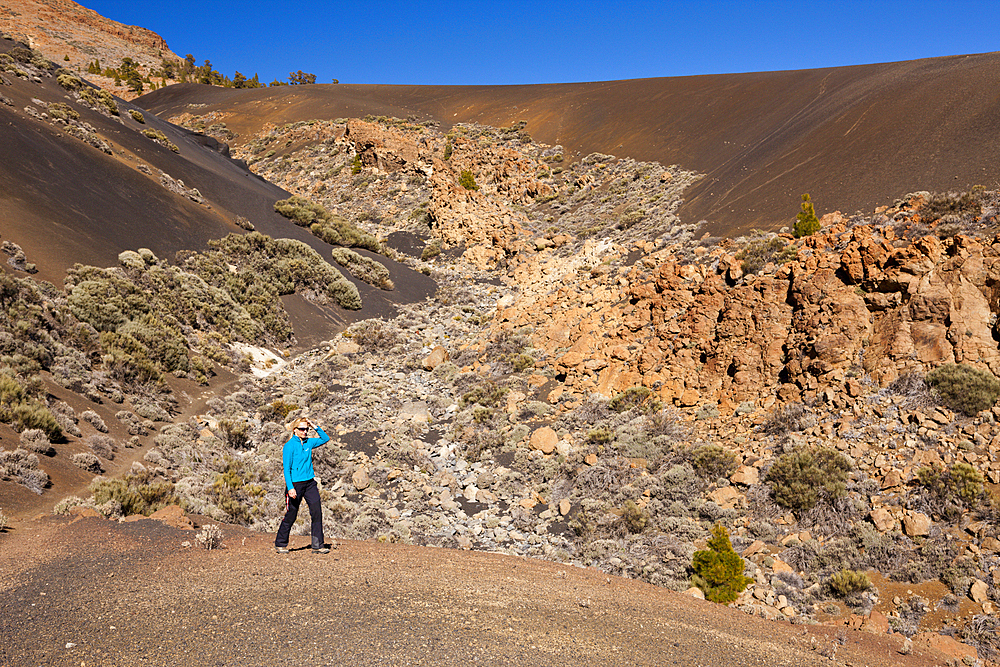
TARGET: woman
(296,458)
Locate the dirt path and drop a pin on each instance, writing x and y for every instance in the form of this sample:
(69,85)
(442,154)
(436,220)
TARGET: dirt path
(86,591)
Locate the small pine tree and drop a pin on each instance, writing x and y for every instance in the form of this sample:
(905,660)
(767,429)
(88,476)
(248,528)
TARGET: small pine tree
(719,569)
(467,180)
(806,222)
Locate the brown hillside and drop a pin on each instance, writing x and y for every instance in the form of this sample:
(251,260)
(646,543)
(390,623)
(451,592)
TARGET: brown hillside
(65,201)
(61,28)
(853,137)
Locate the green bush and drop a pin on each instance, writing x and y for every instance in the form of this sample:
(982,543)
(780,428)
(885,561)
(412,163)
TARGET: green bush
(137,116)
(467,180)
(964,388)
(756,254)
(431,250)
(326,226)
(712,461)
(136,492)
(237,489)
(959,484)
(600,436)
(161,139)
(69,81)
(848,582)
(798,478)
(101,100)
(719,569)
(363,268)
(24,412)
(634,518)
(488,394)
(521,362)
(806,222)
(277,411)
(63,111)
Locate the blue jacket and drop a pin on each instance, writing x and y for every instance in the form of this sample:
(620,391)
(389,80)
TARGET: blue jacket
(296,457)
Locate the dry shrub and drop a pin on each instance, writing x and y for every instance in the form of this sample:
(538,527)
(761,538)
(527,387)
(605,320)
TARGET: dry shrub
(983,632)
(103,446)
(791,417)
(802,477)
(712,461)
(210,536)
(964,388)
(375,335)
(35,440)
(94,420)
(21,466)
(848,582)
(88,462)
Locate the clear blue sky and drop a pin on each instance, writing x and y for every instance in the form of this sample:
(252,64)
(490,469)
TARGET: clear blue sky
(447,42)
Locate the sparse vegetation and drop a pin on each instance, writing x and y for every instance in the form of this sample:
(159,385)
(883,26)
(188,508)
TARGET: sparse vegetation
(160,138)
(327,226)
(209,537)
(846,583)
(363,268)
(759,252)
(965,388)
(802,477)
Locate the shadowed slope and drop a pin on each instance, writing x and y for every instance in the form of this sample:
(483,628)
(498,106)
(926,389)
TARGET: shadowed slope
(65,202)
(853,137)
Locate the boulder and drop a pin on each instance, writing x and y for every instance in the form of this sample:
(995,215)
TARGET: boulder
(726,496)
(883,519)
(544,439)
(84,511)
(917,524)
(979,592)
(438,356)
(360,479)
(173,515)
(945,645)
(695,592)
(745,476)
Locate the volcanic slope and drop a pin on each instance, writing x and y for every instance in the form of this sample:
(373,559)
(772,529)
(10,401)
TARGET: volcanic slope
(853,137)
(132,181)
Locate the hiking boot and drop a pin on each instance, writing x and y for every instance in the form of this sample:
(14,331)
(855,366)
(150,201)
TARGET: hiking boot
(322,550)
(281,550)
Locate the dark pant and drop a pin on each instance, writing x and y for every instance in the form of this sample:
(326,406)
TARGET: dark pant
(310,491)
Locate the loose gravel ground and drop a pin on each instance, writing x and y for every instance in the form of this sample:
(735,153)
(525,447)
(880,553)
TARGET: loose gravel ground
(87,591)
